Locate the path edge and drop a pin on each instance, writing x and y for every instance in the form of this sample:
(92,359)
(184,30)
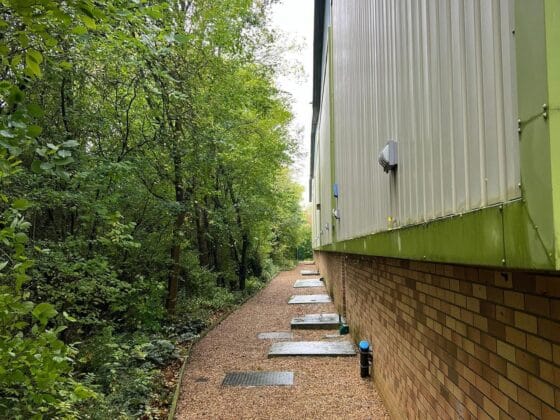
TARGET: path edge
(177,393)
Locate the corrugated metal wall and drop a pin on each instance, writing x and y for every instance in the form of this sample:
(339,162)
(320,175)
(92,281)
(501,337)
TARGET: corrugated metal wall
(322,171)
(437,76)
(325,163)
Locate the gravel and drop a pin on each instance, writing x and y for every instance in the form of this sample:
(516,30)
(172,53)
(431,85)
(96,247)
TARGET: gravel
(324,387)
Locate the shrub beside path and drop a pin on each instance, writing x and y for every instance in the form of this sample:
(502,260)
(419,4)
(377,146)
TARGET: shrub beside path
(324,387)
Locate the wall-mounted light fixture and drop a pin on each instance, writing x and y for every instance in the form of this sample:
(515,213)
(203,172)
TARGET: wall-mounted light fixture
(388,156)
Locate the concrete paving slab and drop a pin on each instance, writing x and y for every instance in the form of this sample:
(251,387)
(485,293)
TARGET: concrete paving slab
(258,379)
(309,272)
(316,322)
(312,348)
(309,283)
(277,335)
(297,299)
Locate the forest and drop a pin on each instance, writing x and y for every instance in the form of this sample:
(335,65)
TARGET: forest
(145,187)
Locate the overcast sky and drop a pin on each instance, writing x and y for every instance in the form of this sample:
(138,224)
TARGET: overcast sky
(295,18)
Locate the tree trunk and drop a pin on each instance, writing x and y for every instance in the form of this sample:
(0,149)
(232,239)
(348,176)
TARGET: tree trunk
(243,262)
(175,272)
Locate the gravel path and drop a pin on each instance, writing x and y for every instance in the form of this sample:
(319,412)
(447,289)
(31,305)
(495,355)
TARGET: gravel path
(324,387)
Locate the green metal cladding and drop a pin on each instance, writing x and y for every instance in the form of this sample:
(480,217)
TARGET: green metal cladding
(518,233)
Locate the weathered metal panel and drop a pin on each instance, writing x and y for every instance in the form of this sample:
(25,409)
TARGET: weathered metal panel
(324,141)
(439,78)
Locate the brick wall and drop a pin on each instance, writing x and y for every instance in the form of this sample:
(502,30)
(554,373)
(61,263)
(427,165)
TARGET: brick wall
(453,341)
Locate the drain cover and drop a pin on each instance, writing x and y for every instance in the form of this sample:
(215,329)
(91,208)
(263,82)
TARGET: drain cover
(309,283)
(312,348)
(309,299)
(309,272)
(258,378)
(316,321)
(275,336)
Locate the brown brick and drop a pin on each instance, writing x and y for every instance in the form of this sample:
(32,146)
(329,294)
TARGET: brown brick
(526,322)
(473,304)
(488,309)
(517,412)
(507,387)
(527,361)
(540,347)
(473,334)
(498,363)
(480,322)
(548,286)
(541,389)
(503,280)
(514,299)
(555,308)
(556,354)
(549,329)
(504,314)
(491,408)
(524,282)
(467,316)
(537,305)
(488,342)
(479,291)
(495,295)
(529,402)
(516,337)
(517,375)
(497,329)
(550,413)
(506,351)
(486,276)
(549,372)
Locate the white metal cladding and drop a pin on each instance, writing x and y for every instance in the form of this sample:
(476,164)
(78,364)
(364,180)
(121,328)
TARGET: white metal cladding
(439,78)
(323,188)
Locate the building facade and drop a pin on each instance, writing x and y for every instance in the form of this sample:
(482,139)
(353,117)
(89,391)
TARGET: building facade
(448,263)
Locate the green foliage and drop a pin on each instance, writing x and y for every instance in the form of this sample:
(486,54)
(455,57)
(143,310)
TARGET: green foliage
(130,182)
(126,374)
(35,365)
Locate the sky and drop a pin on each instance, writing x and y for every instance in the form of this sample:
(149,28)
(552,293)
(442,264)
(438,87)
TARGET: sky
(295,19)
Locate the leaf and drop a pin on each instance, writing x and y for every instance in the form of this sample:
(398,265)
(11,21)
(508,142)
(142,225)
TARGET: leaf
(3,265)
(7,134)
(89,22)
(36,166)
(79,30)
(34,110)
(64,153)
(43,312)
(21,238)
(33,60)
(34,131)
(64,162)
(34,55)
(45,166)
(70,143)
(21,204)
(181,38)
(68,317)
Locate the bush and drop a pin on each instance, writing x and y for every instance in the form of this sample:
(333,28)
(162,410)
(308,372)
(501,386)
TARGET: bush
(35,366)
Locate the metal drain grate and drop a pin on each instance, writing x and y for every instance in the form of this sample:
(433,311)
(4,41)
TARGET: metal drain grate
(258,379)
